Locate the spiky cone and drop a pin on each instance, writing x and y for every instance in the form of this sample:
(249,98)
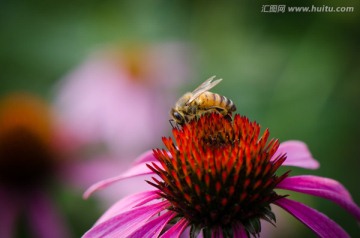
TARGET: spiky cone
(220,174)
(219,177)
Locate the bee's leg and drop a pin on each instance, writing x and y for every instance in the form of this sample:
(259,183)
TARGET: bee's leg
(227,115)
(192,110)
(171,121)
(190,114)
(174,124)
(217,109)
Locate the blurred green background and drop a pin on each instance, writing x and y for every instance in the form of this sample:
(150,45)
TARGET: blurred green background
(295,73)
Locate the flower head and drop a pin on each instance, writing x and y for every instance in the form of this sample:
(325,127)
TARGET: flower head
(219,177)
(223,176)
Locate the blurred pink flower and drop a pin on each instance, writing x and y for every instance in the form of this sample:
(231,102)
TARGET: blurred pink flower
(218,178)
(123,97)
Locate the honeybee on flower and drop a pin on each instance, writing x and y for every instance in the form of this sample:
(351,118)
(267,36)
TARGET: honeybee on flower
(200,101)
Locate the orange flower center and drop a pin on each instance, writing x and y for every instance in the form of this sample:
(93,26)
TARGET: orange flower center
(219,173)
(26,154)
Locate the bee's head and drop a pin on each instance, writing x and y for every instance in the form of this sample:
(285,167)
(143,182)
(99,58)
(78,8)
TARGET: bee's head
(177,116)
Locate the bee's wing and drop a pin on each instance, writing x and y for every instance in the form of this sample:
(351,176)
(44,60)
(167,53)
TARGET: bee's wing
(205,86)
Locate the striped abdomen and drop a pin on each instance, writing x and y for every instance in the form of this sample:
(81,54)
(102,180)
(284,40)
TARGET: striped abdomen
(209,100)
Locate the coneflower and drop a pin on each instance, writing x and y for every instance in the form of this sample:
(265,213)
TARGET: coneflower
(219,178)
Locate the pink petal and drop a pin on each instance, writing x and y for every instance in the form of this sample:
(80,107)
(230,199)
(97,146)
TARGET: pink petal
(137,170)
(239,231)
(146,157)
(153,227)
(9,208)
(44,217)
(315,220)
(298,155)
(322,187)
(176,230)
(128,203)
(124,224)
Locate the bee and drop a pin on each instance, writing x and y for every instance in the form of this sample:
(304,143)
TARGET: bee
(200,101)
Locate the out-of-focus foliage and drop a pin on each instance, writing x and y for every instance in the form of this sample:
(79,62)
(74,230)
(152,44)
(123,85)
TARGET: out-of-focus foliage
(296,73)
